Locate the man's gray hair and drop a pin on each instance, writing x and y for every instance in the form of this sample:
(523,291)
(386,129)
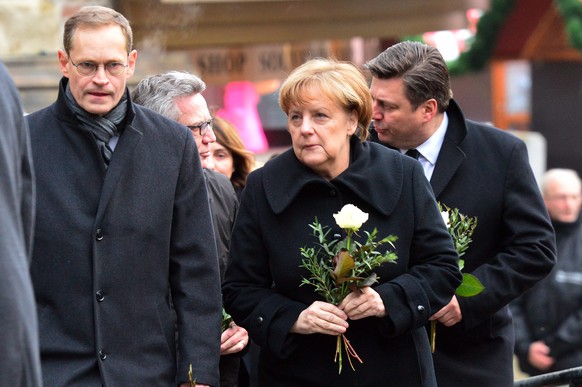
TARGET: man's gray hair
(159,92)
(561,175)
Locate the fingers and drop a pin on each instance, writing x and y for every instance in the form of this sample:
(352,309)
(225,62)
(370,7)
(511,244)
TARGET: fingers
(450,314)
(321,317)
(233,340)
(365,302)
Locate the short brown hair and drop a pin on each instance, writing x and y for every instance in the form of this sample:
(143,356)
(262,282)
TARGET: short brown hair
(96,16)
(339,81)
(423,71)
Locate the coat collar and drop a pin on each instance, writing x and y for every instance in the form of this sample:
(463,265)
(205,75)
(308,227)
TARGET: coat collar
(64,112)
(375,175)
(451,156)
(123,153)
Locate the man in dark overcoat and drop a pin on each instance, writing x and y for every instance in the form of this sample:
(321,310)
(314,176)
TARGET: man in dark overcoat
(19,358)
(123,228)
(485,173)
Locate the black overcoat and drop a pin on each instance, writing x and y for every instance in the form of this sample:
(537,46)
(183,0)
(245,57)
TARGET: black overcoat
(19,358)
(485,172)
(111,245)
(261,288)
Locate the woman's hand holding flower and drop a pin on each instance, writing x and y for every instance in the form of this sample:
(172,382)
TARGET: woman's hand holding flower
(233,339)
(363,302)
(321,317)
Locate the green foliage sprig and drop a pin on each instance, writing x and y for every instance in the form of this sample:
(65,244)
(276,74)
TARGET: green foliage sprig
(460,228)
(338,267)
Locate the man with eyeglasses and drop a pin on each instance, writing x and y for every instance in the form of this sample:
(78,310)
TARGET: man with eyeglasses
(178,96)
(122,230)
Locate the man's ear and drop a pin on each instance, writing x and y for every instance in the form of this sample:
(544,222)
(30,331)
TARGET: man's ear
(131,59)
(430,109)
(63,62)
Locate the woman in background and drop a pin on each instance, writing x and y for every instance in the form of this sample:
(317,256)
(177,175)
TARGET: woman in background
(229,155)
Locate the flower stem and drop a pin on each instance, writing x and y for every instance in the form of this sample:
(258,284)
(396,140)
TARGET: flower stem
(433,335)
(350,353)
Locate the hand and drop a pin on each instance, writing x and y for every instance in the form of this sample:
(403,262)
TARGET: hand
(363,302)
(233,339)
(321,317)
(450,314)
(538,356)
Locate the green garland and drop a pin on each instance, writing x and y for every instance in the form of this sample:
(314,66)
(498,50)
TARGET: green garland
(483,43)
(571,11)
(481,46)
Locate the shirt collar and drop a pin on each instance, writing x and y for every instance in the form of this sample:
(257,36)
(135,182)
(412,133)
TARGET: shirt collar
(430,148)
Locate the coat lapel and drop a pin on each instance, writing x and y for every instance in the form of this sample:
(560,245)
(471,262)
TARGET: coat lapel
(121,157)
(451,156)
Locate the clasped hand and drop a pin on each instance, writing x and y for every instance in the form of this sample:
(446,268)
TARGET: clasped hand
(326,318)
(233,339)
(450,314)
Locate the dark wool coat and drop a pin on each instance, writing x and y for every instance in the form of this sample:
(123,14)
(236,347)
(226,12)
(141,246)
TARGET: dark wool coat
(19,358)
(551,311)
(224,207)
(261,288)
(485,172)
(111,246)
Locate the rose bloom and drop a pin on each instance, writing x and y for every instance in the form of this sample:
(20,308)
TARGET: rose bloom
(350,217)
(445,215)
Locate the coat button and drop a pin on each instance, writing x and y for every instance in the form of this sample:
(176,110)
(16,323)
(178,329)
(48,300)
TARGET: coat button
(102,354)
(99,295)
(420,308)
(99,234)
(259,321)
(332,193)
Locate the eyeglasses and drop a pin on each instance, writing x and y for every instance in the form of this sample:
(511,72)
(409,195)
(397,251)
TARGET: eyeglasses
(201,128)
(90,68)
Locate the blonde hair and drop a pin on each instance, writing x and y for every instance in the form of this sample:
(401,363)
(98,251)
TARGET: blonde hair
(339,81)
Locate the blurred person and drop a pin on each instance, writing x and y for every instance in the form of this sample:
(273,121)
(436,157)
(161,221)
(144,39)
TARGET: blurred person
(229,155)
(329,107)
(123,226)
(485,173)
(20,357)
(178,96)
(548,318)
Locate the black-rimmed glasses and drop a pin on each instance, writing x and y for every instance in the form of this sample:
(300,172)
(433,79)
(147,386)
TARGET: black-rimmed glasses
(90,68)
(201,128)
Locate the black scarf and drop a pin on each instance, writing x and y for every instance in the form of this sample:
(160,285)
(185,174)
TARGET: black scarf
(102,127)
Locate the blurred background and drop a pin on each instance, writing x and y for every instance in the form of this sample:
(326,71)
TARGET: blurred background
(516,63)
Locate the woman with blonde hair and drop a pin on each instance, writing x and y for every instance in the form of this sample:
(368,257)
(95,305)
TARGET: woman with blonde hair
(329,108)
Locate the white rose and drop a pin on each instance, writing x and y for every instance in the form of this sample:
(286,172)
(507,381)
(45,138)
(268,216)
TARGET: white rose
(445,215)
(350,217)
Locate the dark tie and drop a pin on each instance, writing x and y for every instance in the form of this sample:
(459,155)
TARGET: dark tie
(413,153)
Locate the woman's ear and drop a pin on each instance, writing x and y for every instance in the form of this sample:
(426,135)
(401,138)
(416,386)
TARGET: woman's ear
(352,122)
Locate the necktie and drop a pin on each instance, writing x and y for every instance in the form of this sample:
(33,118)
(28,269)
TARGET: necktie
(413,153)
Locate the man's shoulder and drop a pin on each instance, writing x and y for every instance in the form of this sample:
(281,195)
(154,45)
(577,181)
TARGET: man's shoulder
(218,182)
(486,130)
(145,117)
